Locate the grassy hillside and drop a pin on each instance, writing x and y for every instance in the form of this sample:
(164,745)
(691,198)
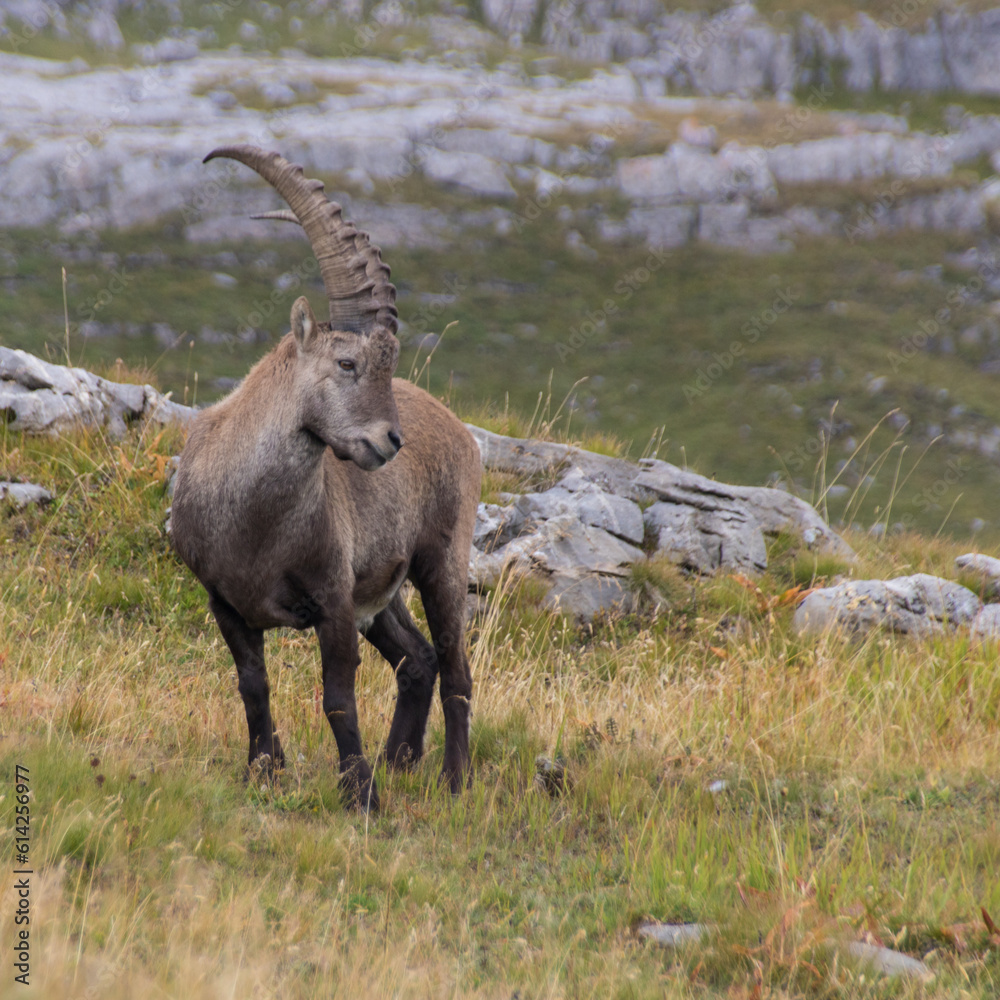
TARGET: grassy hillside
(750,368)
(860,790)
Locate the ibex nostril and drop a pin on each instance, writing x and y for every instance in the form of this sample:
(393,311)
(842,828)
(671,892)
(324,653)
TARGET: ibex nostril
(396,440)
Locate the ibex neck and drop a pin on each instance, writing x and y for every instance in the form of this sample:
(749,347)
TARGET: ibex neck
(274,449)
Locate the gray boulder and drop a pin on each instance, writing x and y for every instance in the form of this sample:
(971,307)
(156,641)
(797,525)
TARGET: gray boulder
(39,397)
(986,567)
(570,547)
(773,510)
(44,411)
(530,456)
(498,144)
(23,494)
(986,625)
(913,605)
(473,172)
(589,505)
(577,534)
(495,526)
(586,596)
(888,961)
(707,540)
(665,226)
(687,173)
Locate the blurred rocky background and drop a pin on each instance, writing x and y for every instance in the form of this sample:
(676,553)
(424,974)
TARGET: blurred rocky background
(763,236)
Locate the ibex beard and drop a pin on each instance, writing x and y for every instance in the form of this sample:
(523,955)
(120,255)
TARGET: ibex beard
(308,496)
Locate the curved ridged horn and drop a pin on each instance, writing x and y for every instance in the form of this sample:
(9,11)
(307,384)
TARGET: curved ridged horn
(281,214)
(355,277)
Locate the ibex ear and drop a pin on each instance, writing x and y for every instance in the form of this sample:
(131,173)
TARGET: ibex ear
(304,324)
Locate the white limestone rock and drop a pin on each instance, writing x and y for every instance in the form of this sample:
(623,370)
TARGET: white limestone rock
(707,540)
(473,172)
(913,605)
(23,494)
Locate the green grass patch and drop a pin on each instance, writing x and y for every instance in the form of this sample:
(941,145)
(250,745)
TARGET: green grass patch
(789,795)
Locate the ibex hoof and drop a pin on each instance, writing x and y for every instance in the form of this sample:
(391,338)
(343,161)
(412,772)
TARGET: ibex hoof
(457,781)
(359,786)
(264,767)
(401,758)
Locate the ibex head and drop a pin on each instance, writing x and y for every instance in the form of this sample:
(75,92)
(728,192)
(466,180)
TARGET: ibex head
(344,388)
(344,368)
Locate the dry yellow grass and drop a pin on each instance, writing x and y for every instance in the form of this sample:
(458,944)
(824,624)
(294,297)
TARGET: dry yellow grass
(861,789)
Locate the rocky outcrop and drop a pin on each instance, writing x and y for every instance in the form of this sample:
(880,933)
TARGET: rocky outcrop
(89,149)
(583,534)
(42,398)
(987,568)
(596,518)
(734,51)
(738,51)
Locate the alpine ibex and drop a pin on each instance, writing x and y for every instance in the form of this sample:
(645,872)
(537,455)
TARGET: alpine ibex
(297,504)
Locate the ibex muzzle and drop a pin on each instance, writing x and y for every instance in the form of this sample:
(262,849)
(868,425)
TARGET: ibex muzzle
(297,505)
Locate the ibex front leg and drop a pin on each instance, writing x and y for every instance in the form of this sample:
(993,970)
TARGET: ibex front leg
(338,644)
(247,646)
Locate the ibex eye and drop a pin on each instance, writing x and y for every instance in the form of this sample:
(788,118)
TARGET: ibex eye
(348,366)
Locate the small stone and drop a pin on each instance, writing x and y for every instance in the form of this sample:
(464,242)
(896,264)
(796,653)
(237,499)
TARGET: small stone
(890,963)
(987,567)
(551,775)
(248,31)
(585,596)
(22,495)
(671,935)
(986,625)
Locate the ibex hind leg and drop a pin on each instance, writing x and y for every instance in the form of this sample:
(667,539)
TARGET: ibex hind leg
(443,588)
(395,635)
(247,646)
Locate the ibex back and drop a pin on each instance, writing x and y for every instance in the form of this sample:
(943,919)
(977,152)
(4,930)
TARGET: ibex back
(307,496)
